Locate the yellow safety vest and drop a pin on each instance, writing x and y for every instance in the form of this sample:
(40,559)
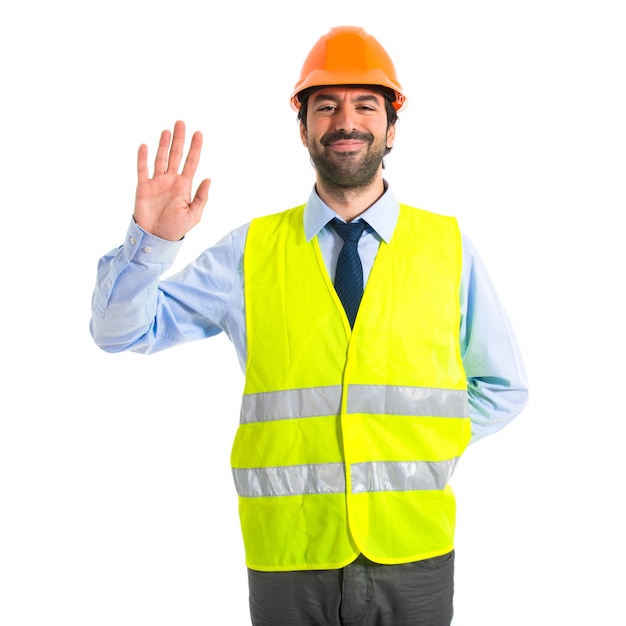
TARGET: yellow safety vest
(347,438)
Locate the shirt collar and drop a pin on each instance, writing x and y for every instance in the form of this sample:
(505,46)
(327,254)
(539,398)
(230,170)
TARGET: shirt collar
(382,216)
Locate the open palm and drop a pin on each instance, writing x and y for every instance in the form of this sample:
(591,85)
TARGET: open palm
(163,203)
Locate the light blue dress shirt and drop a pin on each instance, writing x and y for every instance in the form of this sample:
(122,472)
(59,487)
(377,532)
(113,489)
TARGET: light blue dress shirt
(133,309)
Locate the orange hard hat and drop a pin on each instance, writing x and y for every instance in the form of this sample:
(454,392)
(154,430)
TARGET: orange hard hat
(347,55)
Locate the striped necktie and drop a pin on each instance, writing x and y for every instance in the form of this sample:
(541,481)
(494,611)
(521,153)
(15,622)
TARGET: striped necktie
(349,272)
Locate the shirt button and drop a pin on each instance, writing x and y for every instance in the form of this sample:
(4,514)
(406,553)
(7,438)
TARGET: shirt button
(132,241)
(147,249)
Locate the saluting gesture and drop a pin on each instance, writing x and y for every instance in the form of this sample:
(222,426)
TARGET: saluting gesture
(163,204)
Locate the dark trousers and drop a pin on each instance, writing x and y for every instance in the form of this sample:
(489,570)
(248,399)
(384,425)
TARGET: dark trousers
(363,593)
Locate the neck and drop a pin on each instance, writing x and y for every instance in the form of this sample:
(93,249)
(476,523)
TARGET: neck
(350,203)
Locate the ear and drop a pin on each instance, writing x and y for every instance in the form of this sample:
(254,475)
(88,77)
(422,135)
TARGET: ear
(303,135)
(391,136)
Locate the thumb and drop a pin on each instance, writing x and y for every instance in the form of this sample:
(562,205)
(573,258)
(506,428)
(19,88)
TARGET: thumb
(200,199)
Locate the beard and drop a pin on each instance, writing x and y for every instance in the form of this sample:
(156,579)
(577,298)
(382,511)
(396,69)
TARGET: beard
(347,170)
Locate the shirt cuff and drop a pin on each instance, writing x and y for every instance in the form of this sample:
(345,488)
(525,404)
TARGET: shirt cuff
(140,246)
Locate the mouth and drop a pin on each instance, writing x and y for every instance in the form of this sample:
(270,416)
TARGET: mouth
(346,145)
(344,142)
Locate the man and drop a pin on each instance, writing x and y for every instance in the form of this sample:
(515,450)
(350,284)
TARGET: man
(357,402)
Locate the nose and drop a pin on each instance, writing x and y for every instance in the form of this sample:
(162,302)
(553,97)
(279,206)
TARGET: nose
(344,119)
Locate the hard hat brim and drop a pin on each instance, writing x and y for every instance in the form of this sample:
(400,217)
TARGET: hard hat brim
(397,98)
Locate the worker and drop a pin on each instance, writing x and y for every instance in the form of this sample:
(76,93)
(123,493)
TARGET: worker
(373,344)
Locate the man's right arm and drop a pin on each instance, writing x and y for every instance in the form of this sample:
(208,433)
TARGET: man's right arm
(124,301)
(133,309)
(128,311)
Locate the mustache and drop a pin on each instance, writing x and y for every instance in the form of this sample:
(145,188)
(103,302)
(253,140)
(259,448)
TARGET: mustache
(330,138)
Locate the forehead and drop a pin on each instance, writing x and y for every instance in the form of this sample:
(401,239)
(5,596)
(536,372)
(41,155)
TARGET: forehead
(342,92)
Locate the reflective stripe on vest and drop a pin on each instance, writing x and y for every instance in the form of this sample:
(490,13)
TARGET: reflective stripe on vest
(298,480)
(388,399)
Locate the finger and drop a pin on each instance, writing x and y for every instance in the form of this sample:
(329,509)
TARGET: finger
(142,164)
(160,161)
(193,157)
(176,151)
(201,197)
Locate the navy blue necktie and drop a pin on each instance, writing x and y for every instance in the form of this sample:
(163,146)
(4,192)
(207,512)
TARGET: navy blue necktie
(349,272)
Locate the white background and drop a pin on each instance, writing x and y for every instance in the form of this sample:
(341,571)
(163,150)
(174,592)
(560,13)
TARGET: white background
(116,501)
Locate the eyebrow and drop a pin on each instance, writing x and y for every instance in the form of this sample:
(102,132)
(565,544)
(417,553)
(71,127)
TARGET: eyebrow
(367,97)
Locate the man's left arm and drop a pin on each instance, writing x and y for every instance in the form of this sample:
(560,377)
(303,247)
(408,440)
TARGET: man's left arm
(496,377)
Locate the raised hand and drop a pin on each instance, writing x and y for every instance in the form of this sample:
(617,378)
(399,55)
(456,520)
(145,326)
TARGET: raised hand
(163,204)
